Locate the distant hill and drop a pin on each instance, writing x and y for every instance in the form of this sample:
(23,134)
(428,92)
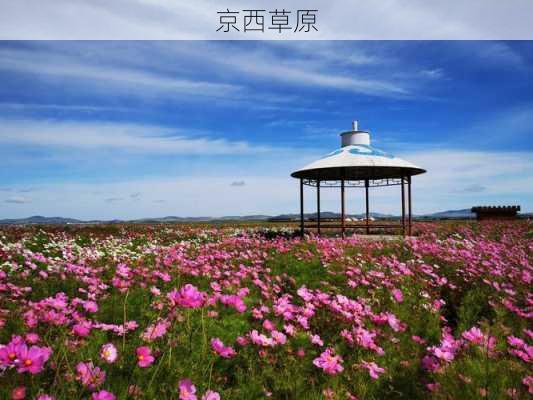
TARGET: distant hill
(451,214)
(38,219)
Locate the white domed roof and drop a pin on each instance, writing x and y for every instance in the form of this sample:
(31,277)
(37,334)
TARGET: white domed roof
(356,160)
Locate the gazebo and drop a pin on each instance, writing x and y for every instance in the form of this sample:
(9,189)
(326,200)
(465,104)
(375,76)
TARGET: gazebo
(359,165)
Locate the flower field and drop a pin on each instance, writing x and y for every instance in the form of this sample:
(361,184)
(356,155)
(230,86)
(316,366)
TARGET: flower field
(185,312)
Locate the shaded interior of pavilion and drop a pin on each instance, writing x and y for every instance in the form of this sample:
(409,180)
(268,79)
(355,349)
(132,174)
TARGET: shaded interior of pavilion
(317,223)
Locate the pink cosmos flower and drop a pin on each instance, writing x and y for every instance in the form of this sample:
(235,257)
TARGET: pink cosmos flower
(329,362)
(211,395)
(430,363)
(82,329)
(291,331)
(515,341)
(528,381)
(315,339)
(188,296)
(144,356)
(155,331)
(90,306)
(187,390)
(474,335)
(224,351)
(397,294)
(418,339)
(31,338)
(433,387)
(373,369)
(90,376)
(19,393)
(260,339)
(395,323)
(45,397)
(109,353)
(8,353)
(242,341)
(279,337)
(234,301)
(32,359)
(268,325)
(103,395)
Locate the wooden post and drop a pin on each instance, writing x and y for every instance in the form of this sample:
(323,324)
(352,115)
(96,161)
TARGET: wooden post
(318,206)
(410,203)
(301,207)
(403,205)
(366,204)
(343,227)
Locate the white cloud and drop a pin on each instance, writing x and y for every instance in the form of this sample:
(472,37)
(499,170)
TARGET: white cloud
(17,200)
(435,73)
(238,183)
(311,65)
(46,63)
(119,137)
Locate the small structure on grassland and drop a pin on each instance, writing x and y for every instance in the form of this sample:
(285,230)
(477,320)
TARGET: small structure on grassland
(495,212)
(357,164)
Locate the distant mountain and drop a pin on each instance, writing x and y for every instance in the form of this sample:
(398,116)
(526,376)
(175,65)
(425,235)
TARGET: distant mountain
(451,214)
(37,219)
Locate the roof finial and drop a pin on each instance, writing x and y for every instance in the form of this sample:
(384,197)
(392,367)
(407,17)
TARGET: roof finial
(354,125)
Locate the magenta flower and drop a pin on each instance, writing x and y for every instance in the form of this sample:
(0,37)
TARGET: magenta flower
(474,335)
(373,369)
(515,341)
(90,306)
(397,294)
(31,338)
(224,351)
(155,331)
(90,376)
(45,397)
(329,362)
(211,395)
(82,329)
(315,339)
(528,381)
(188,296)
(109,353)
(103,395)
(8,353)
(187,390)
(279,337)
(32,359)
(144,356)
(260,339)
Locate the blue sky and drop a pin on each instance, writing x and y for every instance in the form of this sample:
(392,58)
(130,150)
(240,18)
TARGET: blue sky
(137,129)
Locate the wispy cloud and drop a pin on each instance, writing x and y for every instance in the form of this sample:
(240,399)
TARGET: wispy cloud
(309,70)
(238,183)
(47,63)
(18,200)
(435,73)
(113,199)
(474,188)
(121,137)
